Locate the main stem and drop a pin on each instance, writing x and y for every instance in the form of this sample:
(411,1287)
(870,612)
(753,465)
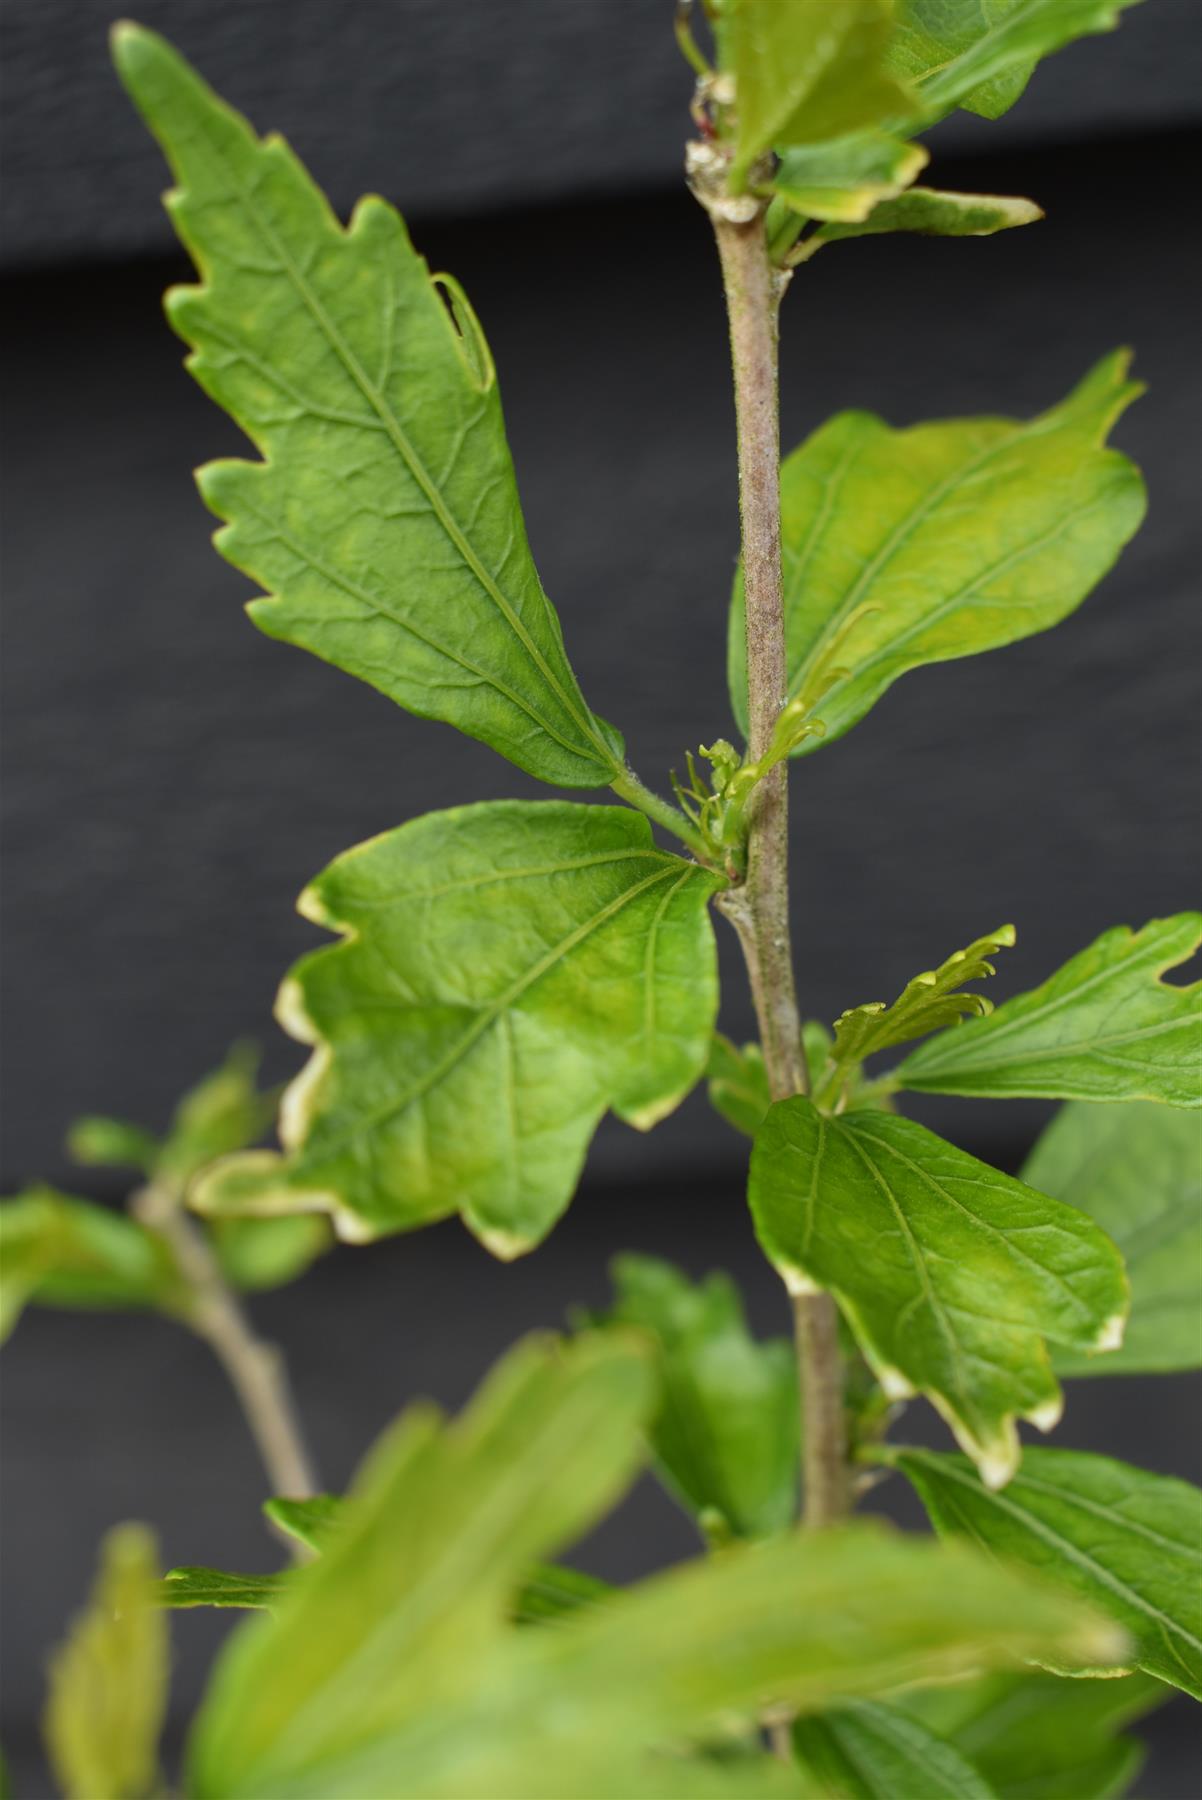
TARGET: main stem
(759,908)
(255,1369)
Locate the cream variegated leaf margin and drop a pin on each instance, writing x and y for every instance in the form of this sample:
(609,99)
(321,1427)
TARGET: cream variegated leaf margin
(954,1277)
(846,178)
(508,972)
(937,213)
(1106,1026)
(919,546)
(384,519)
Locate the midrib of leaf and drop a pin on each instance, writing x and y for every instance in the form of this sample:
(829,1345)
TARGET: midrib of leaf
(1017,16)
(1071,1552)
(367,597)
(903,531)
(918,1258)
(405,450)
(635,853)
(488,1017)
(983,1225)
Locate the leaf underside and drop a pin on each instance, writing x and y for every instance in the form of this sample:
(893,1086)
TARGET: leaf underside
(939,213)
(1103,1027)
(508,972)
(902,548)
(1128,1542)
(954,1276)
(384,519)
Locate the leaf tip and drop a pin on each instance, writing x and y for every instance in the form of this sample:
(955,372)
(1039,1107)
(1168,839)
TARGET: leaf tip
(1047,1415)
(1110,1337)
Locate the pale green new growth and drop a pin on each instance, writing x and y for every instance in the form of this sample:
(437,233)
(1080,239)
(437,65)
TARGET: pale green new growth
(926,1003)
(940,214)
(62,1251)
(510,970)
(870,1751)
(942,540)
(954,1276)
(1104,1027)
(1127,1542)
(108,1681)
(848,177)
(1136,1170)
(384,519)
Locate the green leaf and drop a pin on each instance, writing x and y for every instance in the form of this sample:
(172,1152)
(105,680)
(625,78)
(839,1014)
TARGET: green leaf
(909,547)
(1039,1737)
(806,71)
(509,970)
(551,1593)
(61,1251)
(926,1003)
(738,1084)
(869,1751)
(266,1253)
(433,1543)
(725,1434)
(1127,1542)
(223,1113)
(938,213)
(980,54)
(192,1586)
(97,1142)
(1104,1027)
(952,1274)
(311,1522)
(1136,1170)
(108,1681)
(384,519)
(848,177)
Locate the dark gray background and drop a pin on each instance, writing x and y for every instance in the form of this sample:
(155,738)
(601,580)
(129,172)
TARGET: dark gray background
(173,779)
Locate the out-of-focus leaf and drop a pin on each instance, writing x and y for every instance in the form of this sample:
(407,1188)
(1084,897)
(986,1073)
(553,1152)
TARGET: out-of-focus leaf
(954,1276)
(193,1586)
(223,1113)
(108,1681)
(1137,1170)
(806,71)
(62,1251)
(738,1084)
(266,1253)
(725,1435)
(384,519)
(980,54)
(509,971)
(870,1751)
(98,1142)
(938,213)
(414,1586)
(311,1522)
(1128,1542)
(909,547)
(847,177)
(1039,1737)
(1103,1027)
(551,1593)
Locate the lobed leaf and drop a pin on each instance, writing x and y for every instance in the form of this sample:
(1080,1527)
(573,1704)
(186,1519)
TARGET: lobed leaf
(980,54)
(509,971)
(871,1751)
(902,548)
(414,1587)
(725,1433)
(954,1276)
(1137,1171)
(1128,1542)
(108,1681)
(926,1003)
(938,213)
(1104,1027)
(62,1251)
(806,71)
(384,519)
(1039,1737)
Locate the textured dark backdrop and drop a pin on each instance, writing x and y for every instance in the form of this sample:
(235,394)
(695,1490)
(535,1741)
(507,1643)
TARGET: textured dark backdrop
(173,779)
